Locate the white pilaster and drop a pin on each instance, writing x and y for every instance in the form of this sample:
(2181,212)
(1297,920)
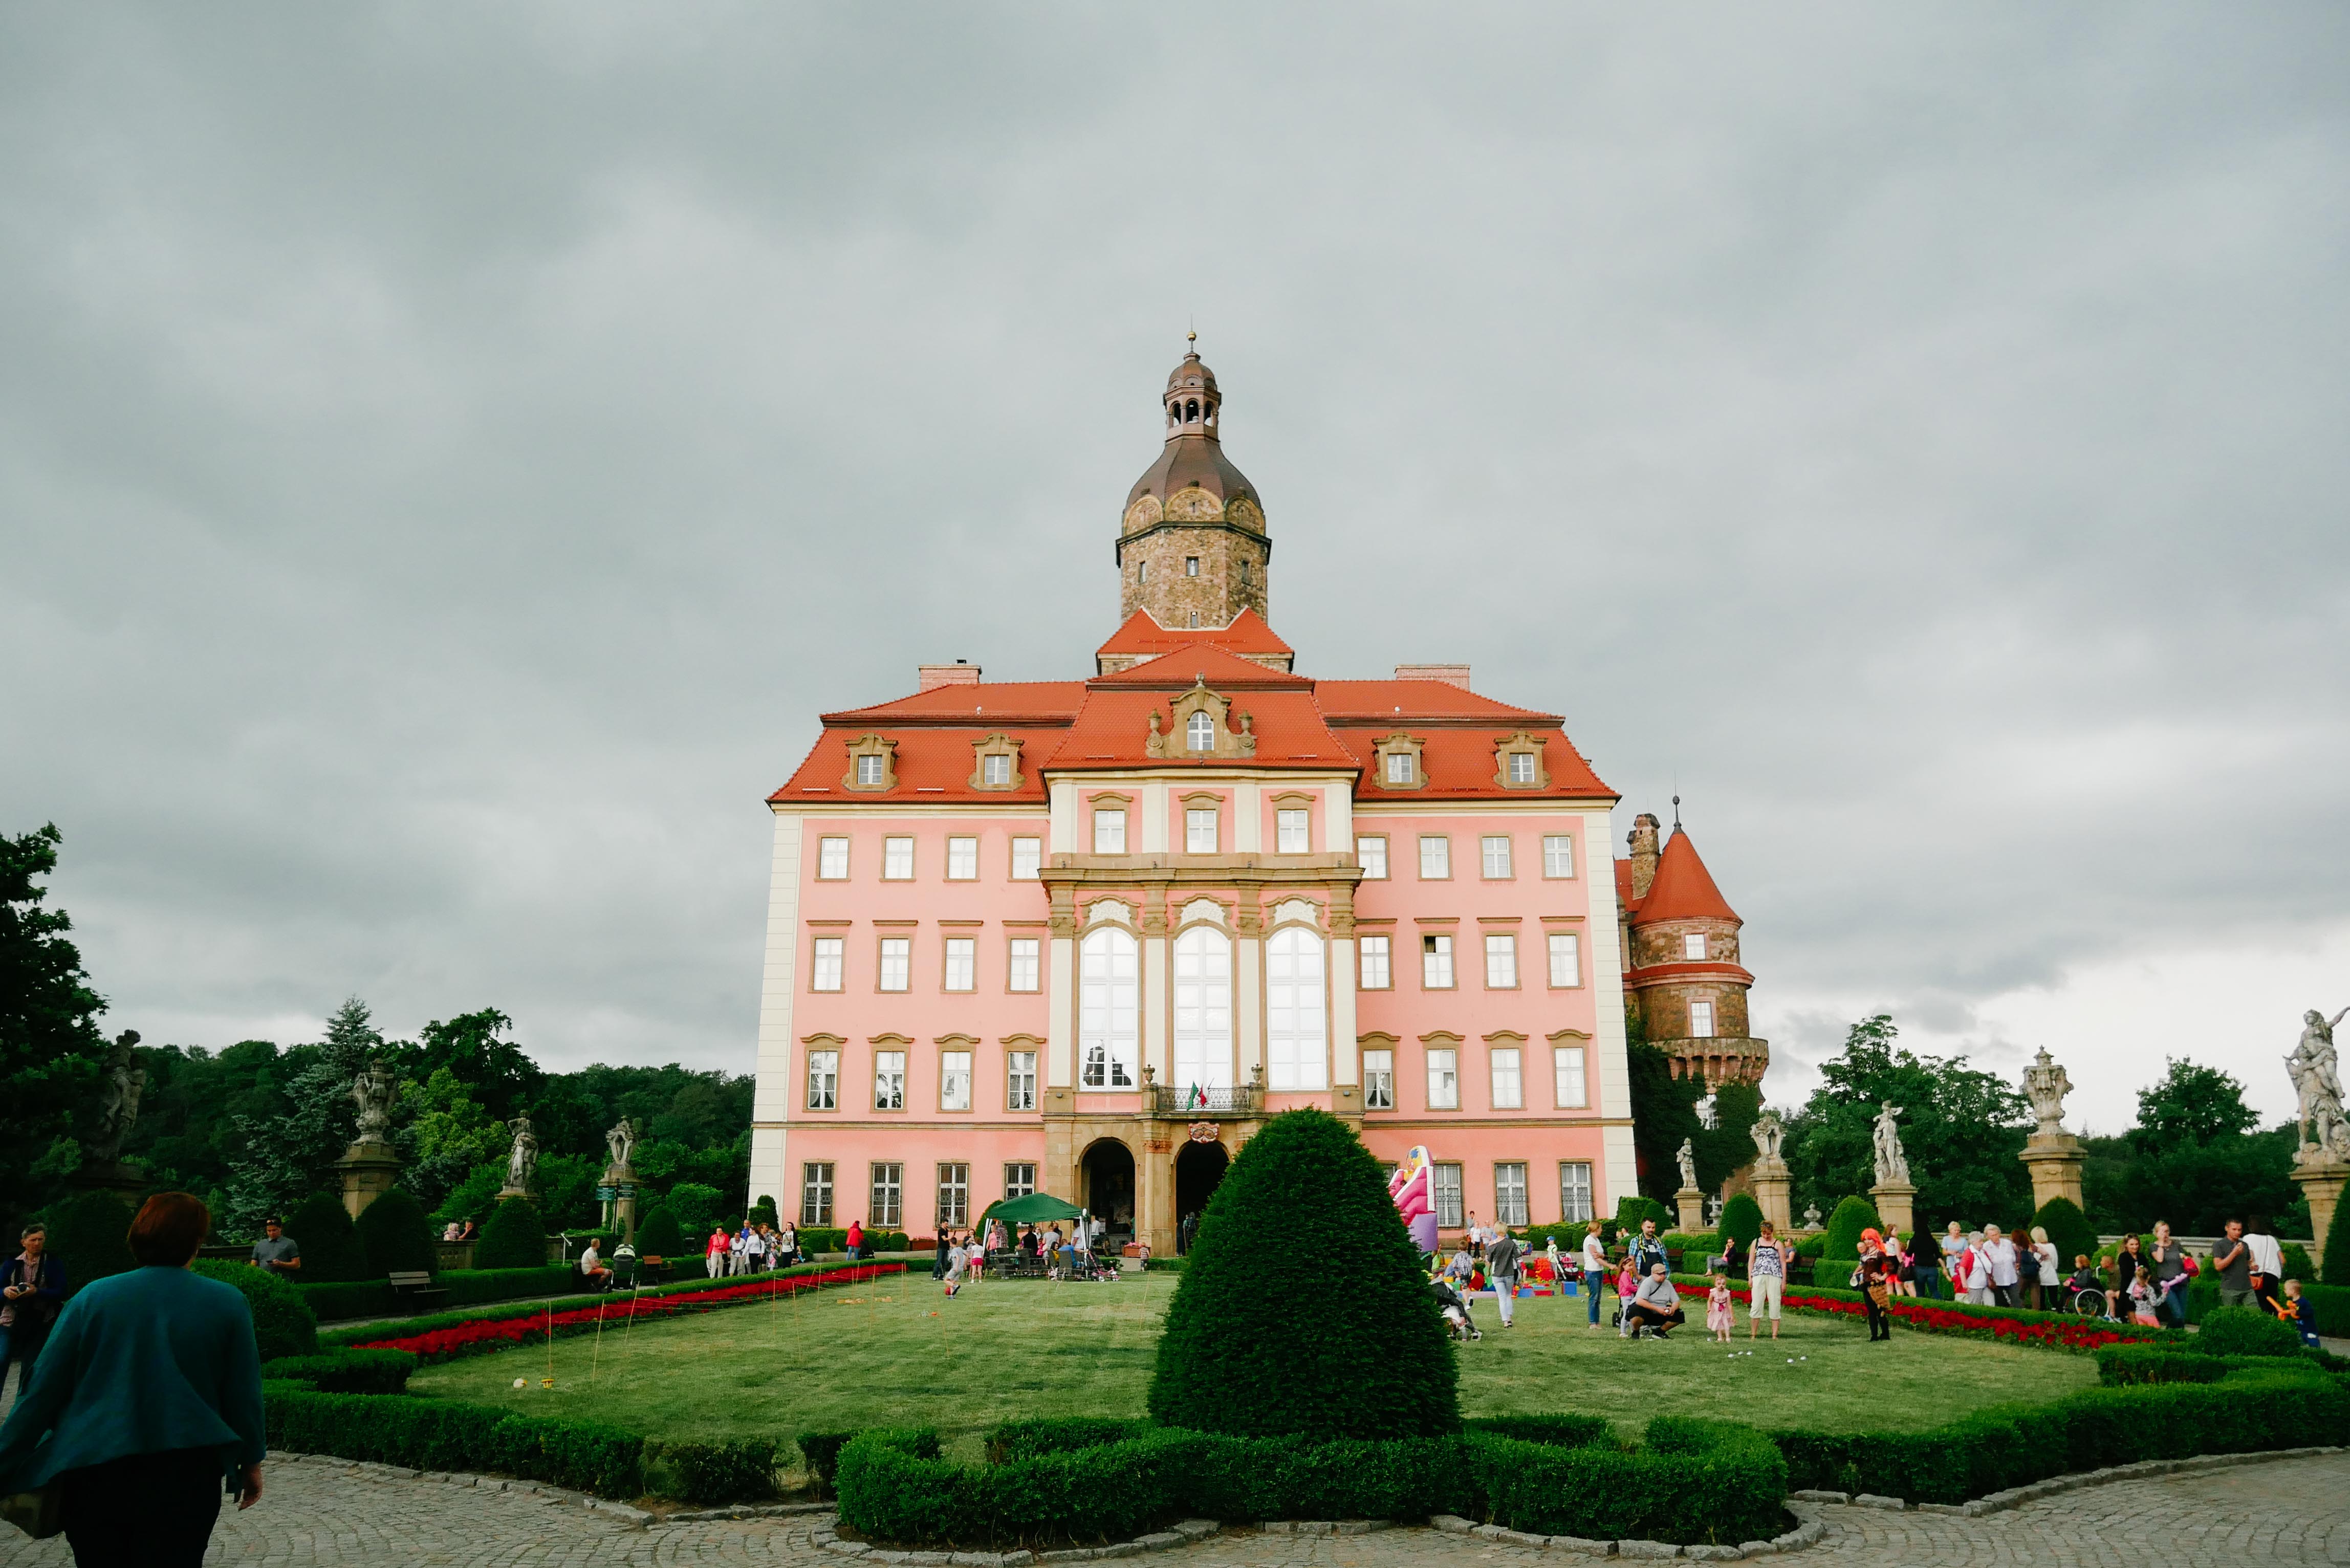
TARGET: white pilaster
(1154,956)
(1154,817)
(1248,813)
(1346,1055)
(771,1097)
(1338,818)
(1602,939)
(1060,1030)
(1065,816)
(1248,1002)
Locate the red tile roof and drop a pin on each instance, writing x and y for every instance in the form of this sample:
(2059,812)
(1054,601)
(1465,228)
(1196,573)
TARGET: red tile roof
(1141,636)
(1008,702)
(933,766)
(1378,701)
(1180,672)
(1114,731)
(1683,889)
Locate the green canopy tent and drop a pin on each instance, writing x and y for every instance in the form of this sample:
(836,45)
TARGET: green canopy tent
(1037,1208)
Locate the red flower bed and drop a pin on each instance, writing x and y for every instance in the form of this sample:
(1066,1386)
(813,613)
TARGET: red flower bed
(499,1334)
(2080,1333)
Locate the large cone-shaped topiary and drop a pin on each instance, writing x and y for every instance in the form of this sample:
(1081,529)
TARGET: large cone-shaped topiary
(1302,1307)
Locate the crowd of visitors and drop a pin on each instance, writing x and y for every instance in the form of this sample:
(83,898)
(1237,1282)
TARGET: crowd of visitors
(755,1248)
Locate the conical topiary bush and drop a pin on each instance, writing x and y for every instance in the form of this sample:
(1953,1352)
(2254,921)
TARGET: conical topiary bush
(1852,1216)
(515,1238)
(1301,1307)
(1741,1218)
(2069,1231)
(658,1235)
(321,1227)
(395,1236)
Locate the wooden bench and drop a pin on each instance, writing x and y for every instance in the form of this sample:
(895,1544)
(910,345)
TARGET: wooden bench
(415,1283)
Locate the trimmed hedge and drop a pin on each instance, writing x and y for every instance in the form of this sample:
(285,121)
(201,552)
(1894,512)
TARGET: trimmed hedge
(1741,1218)
(465,1287)
(2122,1365)
(2333,1303)
(2069,1231)
(738,1470)
(2013,1326)
(658,1235)
(283,1323)
(443,1435)
(345,1371)
(89,1234)
(2246,1331)
(821,1454)
(815,1239)
(2335,1251)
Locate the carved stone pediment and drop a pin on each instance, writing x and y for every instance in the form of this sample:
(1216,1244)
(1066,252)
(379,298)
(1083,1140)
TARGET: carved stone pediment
(1227,733)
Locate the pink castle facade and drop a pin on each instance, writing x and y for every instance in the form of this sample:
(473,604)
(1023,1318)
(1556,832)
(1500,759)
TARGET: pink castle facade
(1081,937)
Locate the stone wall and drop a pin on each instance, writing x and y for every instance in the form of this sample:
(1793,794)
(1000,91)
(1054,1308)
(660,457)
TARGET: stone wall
(1232,576)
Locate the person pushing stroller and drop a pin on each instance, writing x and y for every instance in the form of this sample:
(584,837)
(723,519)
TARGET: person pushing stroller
(1455,1308)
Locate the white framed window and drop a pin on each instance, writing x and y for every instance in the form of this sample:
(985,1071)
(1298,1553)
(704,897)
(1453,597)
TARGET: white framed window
(1379,1080)
(954,1195)
(1027,856)
(1019,1180)
(1109,830)
(1398,767)
(1435,857)
(1377,954)
(963,859)
(816,1193)
(896,962)
(824,975)
(1558,855)
(832,859)
(1200,829)
(1509,1081)
(1495,850)
(954,1080)
(888,1080)
(1203,1010)
(1199,733)
(897,859)
(1568,1085)
(1501,961)
(995,769)
(962,963)
(1693,947)
(1522,767)
(824,1080)
(868,770)
(1435,961)
(1292,832)
(1448,1214)
(1019,1088)
(1190,566)
(1444,1080)
(1110,1009)
(1573,1190)
(1371,855)
(1297,1056)
(1024,975)
(889,1194)
(1700,1020)
(1510,1186)
(1566,959)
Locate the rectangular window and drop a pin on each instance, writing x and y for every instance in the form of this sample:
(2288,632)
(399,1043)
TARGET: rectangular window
(1558,855)
(896,962)
(1573,1190)
(1200,830)
(1501,961)
(963,859)
(1448,1216)
(1291,832)
(1379,1080)
(1693,947)
(824,975)
(1023,964)
(824,1080)
(1190,566)
(1110,831)
(1376,973)
(1027,856)
(868,770)
(1509,1084)
(1566,959)
(889,1194)
(1567,1078)
(1495,848)
(1371,855)
(995,770)
(816,1193)
(1444,1080)
(954,1195)
(963,961)
(1435,962)
(1435,858)
(1296,1051)
(1020,1080)
(954,1080)
(888,1080)
(831,859)
(1510,1193)
(1019,1180)
(1522,767)
(1700,1020)
(1398,767)
(897,859)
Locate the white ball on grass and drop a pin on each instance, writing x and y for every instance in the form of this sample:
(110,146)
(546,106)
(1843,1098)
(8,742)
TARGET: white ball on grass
(522,1381)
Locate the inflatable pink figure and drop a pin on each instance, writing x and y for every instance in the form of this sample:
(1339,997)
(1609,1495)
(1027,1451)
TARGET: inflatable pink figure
(1413,1187)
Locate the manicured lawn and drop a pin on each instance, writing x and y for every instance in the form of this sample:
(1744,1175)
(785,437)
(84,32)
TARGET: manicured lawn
(900,1355)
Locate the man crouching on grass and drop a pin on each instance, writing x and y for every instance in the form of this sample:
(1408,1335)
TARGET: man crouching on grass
(1658,1306)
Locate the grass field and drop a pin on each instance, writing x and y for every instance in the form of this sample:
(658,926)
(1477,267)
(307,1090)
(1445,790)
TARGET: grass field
(900,1355)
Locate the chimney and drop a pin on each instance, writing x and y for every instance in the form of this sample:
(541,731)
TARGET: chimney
(1450,674)
(1644,853)
(933,676)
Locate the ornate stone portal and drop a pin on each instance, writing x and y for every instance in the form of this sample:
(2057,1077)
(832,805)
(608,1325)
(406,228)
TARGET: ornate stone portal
(1771,1182)
(2322,1163)
(1896,1195)
(371,1165)
(2051,1154)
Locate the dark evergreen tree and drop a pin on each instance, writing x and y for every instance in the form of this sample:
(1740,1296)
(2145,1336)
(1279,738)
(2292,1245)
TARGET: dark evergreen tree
(2069,1231)
(2336,1266)
(1852,1216)
(658,1235)
(51,1051)
(321,1227)
(1741,1218)
(90,1233)
(515,1238)
(396,1237)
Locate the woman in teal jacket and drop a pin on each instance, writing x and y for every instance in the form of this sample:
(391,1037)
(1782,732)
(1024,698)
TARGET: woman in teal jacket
(145,1399)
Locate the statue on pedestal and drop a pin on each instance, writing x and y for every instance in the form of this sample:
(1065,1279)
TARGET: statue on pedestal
(1687,1156)
(1769,1134)
(375,1091)
(1892,1165)
(522,1161)
(2045,1086)
(620,1140)
(2317,1086)
(118,1102)
(1810,1215)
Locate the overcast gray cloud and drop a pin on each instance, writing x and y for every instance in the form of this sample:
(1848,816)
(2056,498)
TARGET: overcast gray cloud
(449,454)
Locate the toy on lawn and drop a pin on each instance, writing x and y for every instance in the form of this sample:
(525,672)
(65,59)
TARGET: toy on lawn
(1413,1187)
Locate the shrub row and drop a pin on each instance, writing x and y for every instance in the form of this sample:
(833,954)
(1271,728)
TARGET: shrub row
(345,1371)
(466,1287)
(737,1469)
(443,1435)
(2333,1303)
(2123,1365)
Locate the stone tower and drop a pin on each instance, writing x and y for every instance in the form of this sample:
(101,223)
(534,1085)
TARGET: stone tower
(1192,549)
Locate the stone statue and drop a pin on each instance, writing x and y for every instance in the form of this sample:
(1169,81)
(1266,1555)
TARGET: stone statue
(522,1162)
(1810,1215)
(2317,1084)
(1768,1134)
(375,1090)
(117,1101)
(1687,1156)
(2045,1086)
(1892,1165)
(1707,1116)
(620,1140)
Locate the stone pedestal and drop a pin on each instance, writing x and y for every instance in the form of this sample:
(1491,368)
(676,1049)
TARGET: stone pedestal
(368,1169)
(620,1207)
(1895,1202)
(1774,1188)
(110,1176)
(1690,1203)
(2054,1162)
(2322,1180)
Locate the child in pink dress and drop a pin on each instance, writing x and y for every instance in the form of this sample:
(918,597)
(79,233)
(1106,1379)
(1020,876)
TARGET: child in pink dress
(1716,1310)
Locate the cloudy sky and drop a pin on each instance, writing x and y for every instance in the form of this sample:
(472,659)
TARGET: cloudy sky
(449,453)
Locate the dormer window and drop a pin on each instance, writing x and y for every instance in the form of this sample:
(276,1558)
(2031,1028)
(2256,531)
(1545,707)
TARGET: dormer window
(868,771)
(1518,762)
(872,763)
(1522,767)
(995,770)
(1398,767)
(1200,734)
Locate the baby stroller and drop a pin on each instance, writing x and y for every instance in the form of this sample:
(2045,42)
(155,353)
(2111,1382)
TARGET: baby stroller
(1455,1306)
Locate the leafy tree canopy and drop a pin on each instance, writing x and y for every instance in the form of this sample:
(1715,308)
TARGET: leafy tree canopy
(2189,1105)
(51,1051)
(473,1048)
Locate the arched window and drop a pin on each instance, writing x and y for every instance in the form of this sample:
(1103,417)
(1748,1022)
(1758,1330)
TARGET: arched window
(1109,1009)
(1200,734)
(1203,1011)
(1296,1055)
(1191,413)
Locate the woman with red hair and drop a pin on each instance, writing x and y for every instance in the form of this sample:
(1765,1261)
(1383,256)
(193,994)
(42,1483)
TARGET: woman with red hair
(149,1397)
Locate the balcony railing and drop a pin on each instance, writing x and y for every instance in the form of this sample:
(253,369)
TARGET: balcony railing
(1185,1103)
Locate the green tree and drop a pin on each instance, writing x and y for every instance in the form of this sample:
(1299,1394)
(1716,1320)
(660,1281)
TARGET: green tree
(2069,1231)
(1256,1342)
(449,1135)
(1741,1218)
(395,1237)
(51,1051)
(658,1235)
(287,1141)
(1728,1147)
(2335,1260)
(90,1233)
(321,1227)
(473,1047)
(1664,1112)
(1852,1216)
(2190,1103)
(696,1206)
(515,1238)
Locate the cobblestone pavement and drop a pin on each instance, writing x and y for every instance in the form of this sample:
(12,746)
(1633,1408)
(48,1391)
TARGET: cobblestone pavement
(317,1516)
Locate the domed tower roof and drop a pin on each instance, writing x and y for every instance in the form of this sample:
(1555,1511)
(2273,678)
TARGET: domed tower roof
(1191,546)
(1193,457)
